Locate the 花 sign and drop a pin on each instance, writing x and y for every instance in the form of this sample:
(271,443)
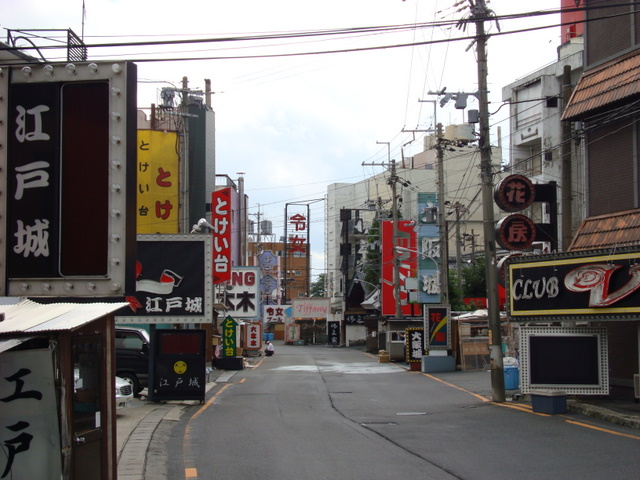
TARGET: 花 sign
(70,201)
(437,319)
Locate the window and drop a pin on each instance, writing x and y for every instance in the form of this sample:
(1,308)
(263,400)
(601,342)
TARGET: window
(397,337)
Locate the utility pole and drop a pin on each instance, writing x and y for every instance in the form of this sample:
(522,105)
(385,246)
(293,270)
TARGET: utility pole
(459,208)
(442,221)
(184,200)
(393,180)
(479,13)
(243,220)
(567,209)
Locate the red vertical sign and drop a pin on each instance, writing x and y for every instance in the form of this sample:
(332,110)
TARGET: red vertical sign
(221,222)
(408,264)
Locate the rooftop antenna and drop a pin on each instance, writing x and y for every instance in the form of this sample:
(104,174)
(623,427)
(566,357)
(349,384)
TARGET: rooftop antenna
(84,15)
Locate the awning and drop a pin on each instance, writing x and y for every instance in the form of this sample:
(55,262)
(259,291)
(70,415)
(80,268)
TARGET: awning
(28,316)
(605,87)
(613,230)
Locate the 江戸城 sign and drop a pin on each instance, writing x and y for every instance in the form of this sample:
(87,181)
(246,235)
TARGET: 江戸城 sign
(596,285)
(69,199)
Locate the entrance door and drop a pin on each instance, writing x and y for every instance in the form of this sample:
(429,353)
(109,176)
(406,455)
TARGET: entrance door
(87,357)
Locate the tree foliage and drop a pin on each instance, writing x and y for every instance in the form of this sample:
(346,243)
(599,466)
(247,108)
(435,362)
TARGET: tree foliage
(318,288)
(473,285)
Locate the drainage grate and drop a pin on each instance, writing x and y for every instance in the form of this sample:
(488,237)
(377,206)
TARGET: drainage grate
(340,393)
(366,424)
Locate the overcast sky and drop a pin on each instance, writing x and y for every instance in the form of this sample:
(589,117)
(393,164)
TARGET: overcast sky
(295,124)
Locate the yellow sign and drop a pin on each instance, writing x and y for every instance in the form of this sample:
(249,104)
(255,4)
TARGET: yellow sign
(179,367)
(157,182)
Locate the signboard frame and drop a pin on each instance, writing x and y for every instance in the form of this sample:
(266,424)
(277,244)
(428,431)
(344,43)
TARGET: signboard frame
(203,286)
(435,327)
(40,146)
(538,291)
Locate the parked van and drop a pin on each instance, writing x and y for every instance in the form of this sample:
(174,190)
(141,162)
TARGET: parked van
(132,356)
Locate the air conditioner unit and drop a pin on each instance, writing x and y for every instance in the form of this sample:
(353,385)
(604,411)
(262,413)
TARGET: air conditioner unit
(636,385)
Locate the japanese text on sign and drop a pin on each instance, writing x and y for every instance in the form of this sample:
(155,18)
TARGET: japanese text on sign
(221,222)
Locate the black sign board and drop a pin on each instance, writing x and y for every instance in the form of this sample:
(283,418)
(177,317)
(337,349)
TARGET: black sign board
(69,204)
(596,285)
(414,339)
(179,365)
(333,333)
(173,280)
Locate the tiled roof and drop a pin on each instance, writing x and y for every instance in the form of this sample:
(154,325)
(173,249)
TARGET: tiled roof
(608,85)
(614,230)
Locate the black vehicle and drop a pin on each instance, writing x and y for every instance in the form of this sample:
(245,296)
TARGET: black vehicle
(132,356)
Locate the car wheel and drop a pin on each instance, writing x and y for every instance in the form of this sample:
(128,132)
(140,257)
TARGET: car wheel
(133,380)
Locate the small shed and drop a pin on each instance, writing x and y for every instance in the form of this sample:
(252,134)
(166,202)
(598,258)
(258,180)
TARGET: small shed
(57,390)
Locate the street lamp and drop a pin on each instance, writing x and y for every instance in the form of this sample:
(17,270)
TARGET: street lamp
(422,254)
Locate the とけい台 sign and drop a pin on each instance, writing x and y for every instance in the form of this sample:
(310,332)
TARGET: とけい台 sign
(221,222)
(69,181)
(594,285)
(157,182)
(229,337)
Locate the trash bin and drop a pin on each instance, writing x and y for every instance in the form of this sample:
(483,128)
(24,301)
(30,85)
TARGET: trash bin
(511,377)
(383,356)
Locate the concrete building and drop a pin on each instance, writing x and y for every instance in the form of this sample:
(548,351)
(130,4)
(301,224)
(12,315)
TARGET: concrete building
(536,140)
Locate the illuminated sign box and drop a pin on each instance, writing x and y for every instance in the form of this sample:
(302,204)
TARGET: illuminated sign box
(596,285)
(173,281)
(68,179)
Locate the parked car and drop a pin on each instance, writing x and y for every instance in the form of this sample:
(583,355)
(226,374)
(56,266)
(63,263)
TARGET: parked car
(132,356)
(124,393)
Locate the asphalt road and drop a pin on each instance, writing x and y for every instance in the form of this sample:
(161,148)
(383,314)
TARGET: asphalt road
(336,413)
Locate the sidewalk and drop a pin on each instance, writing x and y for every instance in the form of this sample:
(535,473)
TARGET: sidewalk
(620,412)
(137,424)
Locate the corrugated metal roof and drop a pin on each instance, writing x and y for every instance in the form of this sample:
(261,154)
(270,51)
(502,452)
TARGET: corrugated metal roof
(614,230)
(28,316)
(609,84)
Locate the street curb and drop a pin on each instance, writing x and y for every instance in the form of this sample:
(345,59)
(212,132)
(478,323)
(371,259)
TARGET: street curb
(603,414)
